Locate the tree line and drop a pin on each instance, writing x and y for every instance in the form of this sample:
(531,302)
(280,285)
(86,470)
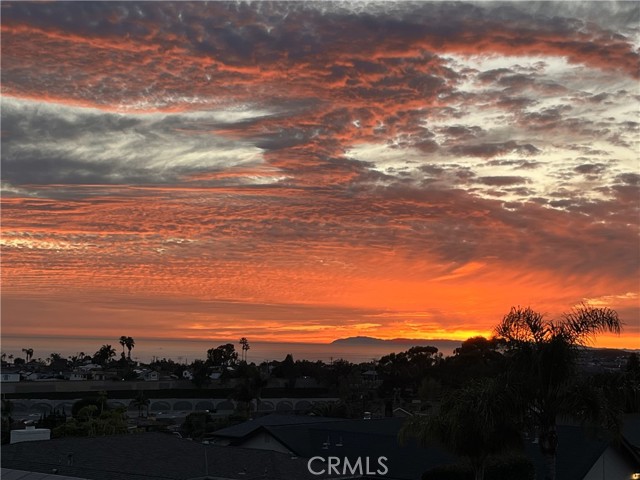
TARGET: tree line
(521,382)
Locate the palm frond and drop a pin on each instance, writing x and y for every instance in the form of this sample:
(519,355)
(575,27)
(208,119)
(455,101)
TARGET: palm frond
(523,325)
(583,322)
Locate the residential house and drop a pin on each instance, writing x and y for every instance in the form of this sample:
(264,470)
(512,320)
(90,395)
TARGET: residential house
(10,377)
(99,374)
(238,434)
(29,376)
(580,456)
(150,376)
(620,460)
(75,376)
(370,376)
(88,367)
(345,438)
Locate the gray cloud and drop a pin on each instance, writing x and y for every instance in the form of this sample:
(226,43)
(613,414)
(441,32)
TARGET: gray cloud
(502,181)
(60,144)
(488,150)
(591,168)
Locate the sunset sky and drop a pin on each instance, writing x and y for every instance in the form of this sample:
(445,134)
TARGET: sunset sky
(310,171)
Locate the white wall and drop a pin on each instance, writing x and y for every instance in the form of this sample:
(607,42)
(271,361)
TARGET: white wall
(30,435)
(10,377)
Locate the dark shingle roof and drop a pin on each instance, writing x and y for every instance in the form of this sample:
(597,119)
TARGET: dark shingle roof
(361,439)
(631,429)
(245,428)
(149,456)
(8,474)
(577,453)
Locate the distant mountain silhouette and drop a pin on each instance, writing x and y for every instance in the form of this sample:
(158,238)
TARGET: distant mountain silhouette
(360,340)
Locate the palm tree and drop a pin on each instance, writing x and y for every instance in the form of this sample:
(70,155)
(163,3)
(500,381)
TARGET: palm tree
(104,354)
(123,342)
(129,342)
(28,353)
(102,400)
(475,421)
(543,359)
(245,346)
(140,402)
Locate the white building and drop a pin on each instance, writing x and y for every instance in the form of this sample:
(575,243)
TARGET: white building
(10,377)
(30,434)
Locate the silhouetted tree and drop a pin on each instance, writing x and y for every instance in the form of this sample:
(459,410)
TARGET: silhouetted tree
(97,401)
(52,420)
(88,421)
(245,347)
(287,369)
(631,384)
(28,354)
(104,355)
(222,356)
(542,356)
(56,362)
(201,372)
(633,366)
(405,370)
(249,387)
(196,424)
(77,359)
(141,402)
(122,341)
(476,358)
(129,342)
(475,421)
(332,409)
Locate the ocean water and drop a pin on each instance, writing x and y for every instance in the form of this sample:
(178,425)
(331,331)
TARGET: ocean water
(186,350)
